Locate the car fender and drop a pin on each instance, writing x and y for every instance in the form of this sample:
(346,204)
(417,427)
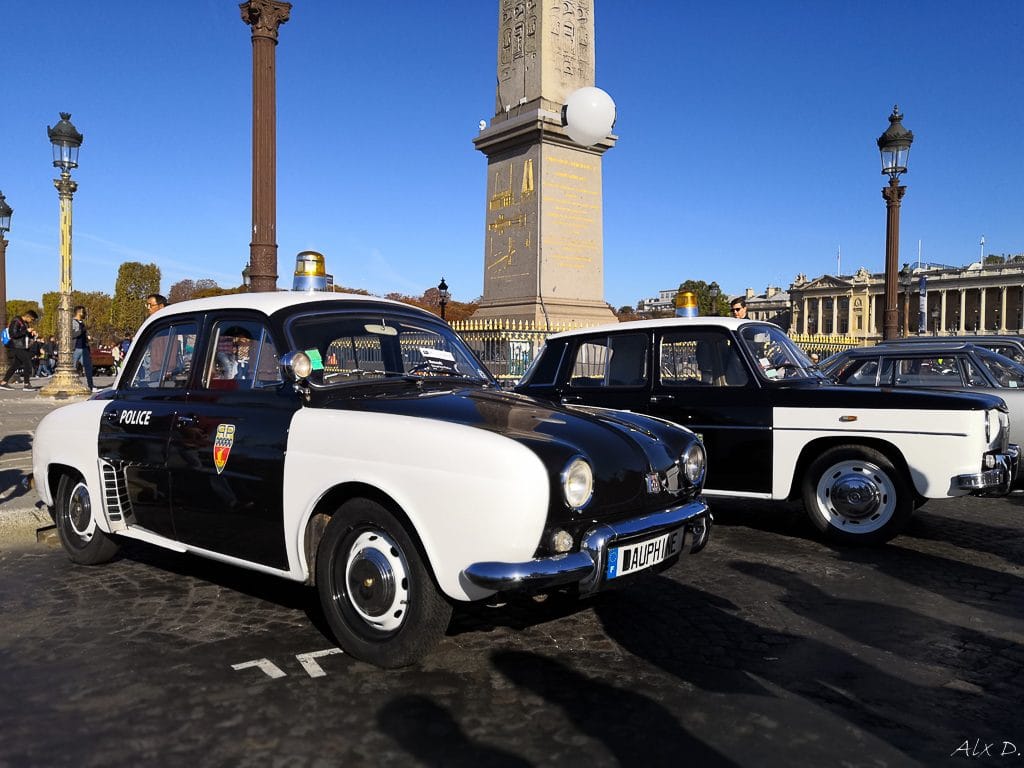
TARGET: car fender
(68,436)
(470,494)
(936,446)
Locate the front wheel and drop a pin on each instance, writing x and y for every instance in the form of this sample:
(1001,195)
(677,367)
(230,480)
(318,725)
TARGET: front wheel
(379,598)
(855,495)
(84,542)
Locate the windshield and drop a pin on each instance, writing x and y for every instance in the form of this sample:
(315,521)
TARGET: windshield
(349,347)
(1005,371)
(776,355)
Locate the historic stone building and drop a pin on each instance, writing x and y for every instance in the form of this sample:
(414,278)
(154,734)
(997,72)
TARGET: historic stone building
(933,299)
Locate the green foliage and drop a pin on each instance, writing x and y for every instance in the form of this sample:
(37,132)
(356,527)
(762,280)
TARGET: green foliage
(135,281)
(18,307)
(183,290)
(703,292)
(97,314)
(994,259)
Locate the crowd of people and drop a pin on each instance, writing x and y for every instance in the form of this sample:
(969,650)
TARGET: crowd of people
(36,357)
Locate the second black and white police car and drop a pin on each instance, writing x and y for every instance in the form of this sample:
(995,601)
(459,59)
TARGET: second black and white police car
(860,459)
(358,445)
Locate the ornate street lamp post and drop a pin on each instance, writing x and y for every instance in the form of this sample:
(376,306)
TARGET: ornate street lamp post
(66,140)
(443,296)
(714,292)
(5,226)
(894,146)
(246,279)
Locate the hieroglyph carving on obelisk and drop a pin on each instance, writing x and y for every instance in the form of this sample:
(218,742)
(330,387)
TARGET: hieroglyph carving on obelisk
(543,246)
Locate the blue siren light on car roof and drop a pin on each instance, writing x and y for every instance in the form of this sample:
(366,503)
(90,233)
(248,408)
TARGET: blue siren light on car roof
(310,272)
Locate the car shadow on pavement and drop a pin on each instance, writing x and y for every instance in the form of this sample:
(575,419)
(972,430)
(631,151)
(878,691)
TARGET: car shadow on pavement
(636,729)
(287,594)
(430,733)
(1005,541)
(716,648)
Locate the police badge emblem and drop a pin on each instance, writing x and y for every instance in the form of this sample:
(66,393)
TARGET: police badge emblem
(222,445)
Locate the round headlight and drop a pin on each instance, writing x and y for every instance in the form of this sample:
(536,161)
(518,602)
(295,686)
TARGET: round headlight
(577,483)
(301,365)
(694,464)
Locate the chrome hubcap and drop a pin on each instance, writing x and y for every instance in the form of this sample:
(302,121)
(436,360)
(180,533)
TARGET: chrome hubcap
(376,580)
(79,515)
(854,495)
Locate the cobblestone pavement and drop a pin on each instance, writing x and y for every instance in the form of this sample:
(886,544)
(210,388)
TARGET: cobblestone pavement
(768,649)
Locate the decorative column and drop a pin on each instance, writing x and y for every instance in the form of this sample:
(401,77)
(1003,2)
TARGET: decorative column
(963,311)
(980,323)
(1002,309)
(943,327)
(264,16)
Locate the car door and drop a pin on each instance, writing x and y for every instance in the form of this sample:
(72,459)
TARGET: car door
(227,444)
(137,422)
(610,370)
(704,382)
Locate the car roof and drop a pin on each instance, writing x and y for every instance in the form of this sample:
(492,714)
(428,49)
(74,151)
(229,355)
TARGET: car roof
(884,348)
(269,302)
(973,339)
(731,323)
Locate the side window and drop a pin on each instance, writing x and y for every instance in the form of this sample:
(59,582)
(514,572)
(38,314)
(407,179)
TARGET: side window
(612,361)
(166,359)
(928,372)
(701,358)
(243,356)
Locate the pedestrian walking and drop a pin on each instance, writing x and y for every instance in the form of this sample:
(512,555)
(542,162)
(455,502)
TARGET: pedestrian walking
(80,344)
(19,347)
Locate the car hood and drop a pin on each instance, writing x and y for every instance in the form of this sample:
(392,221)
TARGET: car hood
(622,448)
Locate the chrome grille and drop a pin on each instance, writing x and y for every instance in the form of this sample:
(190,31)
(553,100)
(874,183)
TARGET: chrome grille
(116,504)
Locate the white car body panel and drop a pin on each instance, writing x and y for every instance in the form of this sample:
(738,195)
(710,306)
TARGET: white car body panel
(452,466)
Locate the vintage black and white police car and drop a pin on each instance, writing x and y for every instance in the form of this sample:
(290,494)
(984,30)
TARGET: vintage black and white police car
(358,444)
(860,460)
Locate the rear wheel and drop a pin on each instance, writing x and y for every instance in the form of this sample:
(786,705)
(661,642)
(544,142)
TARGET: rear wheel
(377,594)
(855,495)
(84,542)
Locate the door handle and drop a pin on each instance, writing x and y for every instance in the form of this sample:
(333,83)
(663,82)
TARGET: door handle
(572,399)
(662,398)
(186,420)
(111,416)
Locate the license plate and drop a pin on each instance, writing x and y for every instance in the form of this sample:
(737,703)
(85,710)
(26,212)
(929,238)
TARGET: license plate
(630,558)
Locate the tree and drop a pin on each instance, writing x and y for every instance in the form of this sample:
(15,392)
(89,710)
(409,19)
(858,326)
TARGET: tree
(18,307)
(994,259)
(626,313)
(703,292)
(183,290)
(135,281)
(97,311)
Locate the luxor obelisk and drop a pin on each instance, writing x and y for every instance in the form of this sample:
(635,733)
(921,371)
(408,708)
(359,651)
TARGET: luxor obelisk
(543,251)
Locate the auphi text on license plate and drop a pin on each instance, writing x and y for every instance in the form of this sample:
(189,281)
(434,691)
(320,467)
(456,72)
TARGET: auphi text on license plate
(630,558)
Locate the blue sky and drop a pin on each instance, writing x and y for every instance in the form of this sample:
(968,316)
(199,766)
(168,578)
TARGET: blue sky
(746,129)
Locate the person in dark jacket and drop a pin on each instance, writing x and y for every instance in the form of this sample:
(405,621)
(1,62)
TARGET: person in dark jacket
(80,346)
(19,348)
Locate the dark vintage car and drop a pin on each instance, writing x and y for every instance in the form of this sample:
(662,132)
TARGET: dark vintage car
(860,460)
(950,364)
(356,444)
(1006,345)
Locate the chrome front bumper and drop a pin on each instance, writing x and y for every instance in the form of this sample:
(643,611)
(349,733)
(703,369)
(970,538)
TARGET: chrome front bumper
(587,566)
(997,480)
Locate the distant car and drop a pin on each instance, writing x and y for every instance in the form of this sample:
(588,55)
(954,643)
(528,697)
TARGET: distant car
(949,364)
(860,459)
(358,445)
(102,361)
(1008,346)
